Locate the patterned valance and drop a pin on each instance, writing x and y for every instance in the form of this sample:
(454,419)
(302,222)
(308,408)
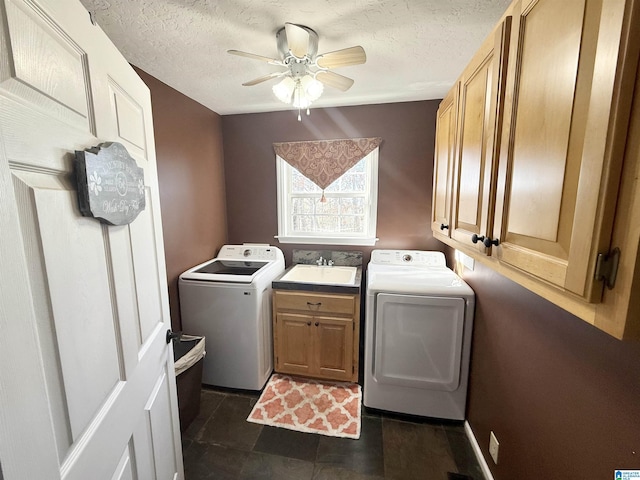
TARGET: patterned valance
(324,161)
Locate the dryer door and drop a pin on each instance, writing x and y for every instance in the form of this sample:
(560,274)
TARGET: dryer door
(418,341)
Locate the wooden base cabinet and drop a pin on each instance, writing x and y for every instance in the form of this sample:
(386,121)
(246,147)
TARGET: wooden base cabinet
(316,334)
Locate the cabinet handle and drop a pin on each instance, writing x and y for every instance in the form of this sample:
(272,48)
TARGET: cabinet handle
(314,304)
(475,238)
(444,227)
(488,242)
(317,323)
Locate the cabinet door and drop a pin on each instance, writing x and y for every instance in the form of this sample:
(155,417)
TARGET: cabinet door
(443,163)
(333,344)
(293,344)
(479,123)
(566,118)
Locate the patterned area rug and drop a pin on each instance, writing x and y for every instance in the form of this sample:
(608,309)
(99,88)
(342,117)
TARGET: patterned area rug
(312,406)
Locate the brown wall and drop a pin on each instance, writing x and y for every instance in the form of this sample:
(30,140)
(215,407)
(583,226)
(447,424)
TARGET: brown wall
(404,180)
(562,397)
(191,176)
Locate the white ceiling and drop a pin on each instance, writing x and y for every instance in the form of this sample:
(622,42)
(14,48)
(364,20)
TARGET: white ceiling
(415,48)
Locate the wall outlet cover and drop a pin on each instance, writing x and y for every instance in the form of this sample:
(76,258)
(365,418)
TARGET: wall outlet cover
(493,447)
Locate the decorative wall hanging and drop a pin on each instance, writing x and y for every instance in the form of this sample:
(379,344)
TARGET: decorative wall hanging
(324,161)
(110,184)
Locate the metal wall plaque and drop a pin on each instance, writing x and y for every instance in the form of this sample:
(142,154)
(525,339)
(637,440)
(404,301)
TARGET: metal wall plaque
(110,184)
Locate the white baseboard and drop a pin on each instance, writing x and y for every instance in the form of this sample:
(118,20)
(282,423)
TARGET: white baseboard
(476,449)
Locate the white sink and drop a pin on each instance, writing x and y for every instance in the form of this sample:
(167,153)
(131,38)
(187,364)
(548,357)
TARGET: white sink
(325,275)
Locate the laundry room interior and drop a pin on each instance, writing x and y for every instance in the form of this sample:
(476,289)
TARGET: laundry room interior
(525,326)
(560,394)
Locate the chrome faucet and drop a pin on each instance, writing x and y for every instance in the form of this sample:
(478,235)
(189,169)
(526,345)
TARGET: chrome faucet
(322,262)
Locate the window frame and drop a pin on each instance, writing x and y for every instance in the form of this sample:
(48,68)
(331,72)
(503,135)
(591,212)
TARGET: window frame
(368,238)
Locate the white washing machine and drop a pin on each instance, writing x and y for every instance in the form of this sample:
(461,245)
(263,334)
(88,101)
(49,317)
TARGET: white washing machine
(418,325)
(228,301)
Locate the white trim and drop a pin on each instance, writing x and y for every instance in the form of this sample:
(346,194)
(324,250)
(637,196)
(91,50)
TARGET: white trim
(478,452)
(328,240)
(367,238)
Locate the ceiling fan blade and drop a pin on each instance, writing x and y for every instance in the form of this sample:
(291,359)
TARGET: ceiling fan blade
(264,78)
(334,80)
(342,58)
(255,57)
(297,39)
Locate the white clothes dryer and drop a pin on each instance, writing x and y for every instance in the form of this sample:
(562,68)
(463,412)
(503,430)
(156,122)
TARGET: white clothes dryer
(418,326)
(228,301)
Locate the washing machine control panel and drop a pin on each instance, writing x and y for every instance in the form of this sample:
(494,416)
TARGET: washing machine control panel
(248,251)
(408,257)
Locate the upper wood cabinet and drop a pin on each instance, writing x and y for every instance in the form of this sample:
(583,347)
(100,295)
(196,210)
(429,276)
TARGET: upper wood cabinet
(540,140)
(481,89)
(446,120)
(569,87)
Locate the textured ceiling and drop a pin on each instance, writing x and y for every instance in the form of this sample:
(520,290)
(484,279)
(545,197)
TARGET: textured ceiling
(415,48)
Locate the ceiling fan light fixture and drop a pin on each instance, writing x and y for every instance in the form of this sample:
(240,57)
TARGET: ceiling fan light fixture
(312,87)
(284,90)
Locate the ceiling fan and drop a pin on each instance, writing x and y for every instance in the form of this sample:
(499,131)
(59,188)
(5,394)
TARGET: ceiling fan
(305,72)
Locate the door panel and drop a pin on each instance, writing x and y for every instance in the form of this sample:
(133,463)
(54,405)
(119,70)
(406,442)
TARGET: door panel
(418,341)
(482,87)
(559,139)
(129,116)
(443,164)
(61,83)
(334,344)
(85,303)
(294,343)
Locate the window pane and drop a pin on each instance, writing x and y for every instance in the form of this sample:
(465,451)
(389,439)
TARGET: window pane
(301,184)
(352,224)
(331,206)
(301,205)
(352,206)
(334,187)
(360,166)
(302,223)
(327,223)
(359,182)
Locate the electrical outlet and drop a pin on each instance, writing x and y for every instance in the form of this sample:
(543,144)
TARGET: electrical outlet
(493,447)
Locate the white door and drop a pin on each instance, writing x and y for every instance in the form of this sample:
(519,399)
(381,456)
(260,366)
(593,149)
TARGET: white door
(87,389)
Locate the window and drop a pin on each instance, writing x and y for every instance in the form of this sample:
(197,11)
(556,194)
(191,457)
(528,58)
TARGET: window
(347,217)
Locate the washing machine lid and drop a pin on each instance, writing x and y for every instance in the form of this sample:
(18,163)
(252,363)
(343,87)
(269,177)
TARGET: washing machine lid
(238,264)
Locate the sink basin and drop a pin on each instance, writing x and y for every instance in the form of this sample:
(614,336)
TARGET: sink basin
(325,275)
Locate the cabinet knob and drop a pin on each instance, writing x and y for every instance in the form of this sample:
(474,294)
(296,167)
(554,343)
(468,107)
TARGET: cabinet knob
(475,238)
(444,227)
(488,242)
(317,323)
(309,323)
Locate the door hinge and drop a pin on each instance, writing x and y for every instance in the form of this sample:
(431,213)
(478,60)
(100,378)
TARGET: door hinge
(607,267)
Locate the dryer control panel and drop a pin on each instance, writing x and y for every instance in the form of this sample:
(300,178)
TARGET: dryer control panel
(408,257)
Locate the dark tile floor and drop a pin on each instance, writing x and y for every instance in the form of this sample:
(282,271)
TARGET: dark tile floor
(221,444)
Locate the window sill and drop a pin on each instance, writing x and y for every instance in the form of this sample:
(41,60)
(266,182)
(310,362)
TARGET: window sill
(365,242)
